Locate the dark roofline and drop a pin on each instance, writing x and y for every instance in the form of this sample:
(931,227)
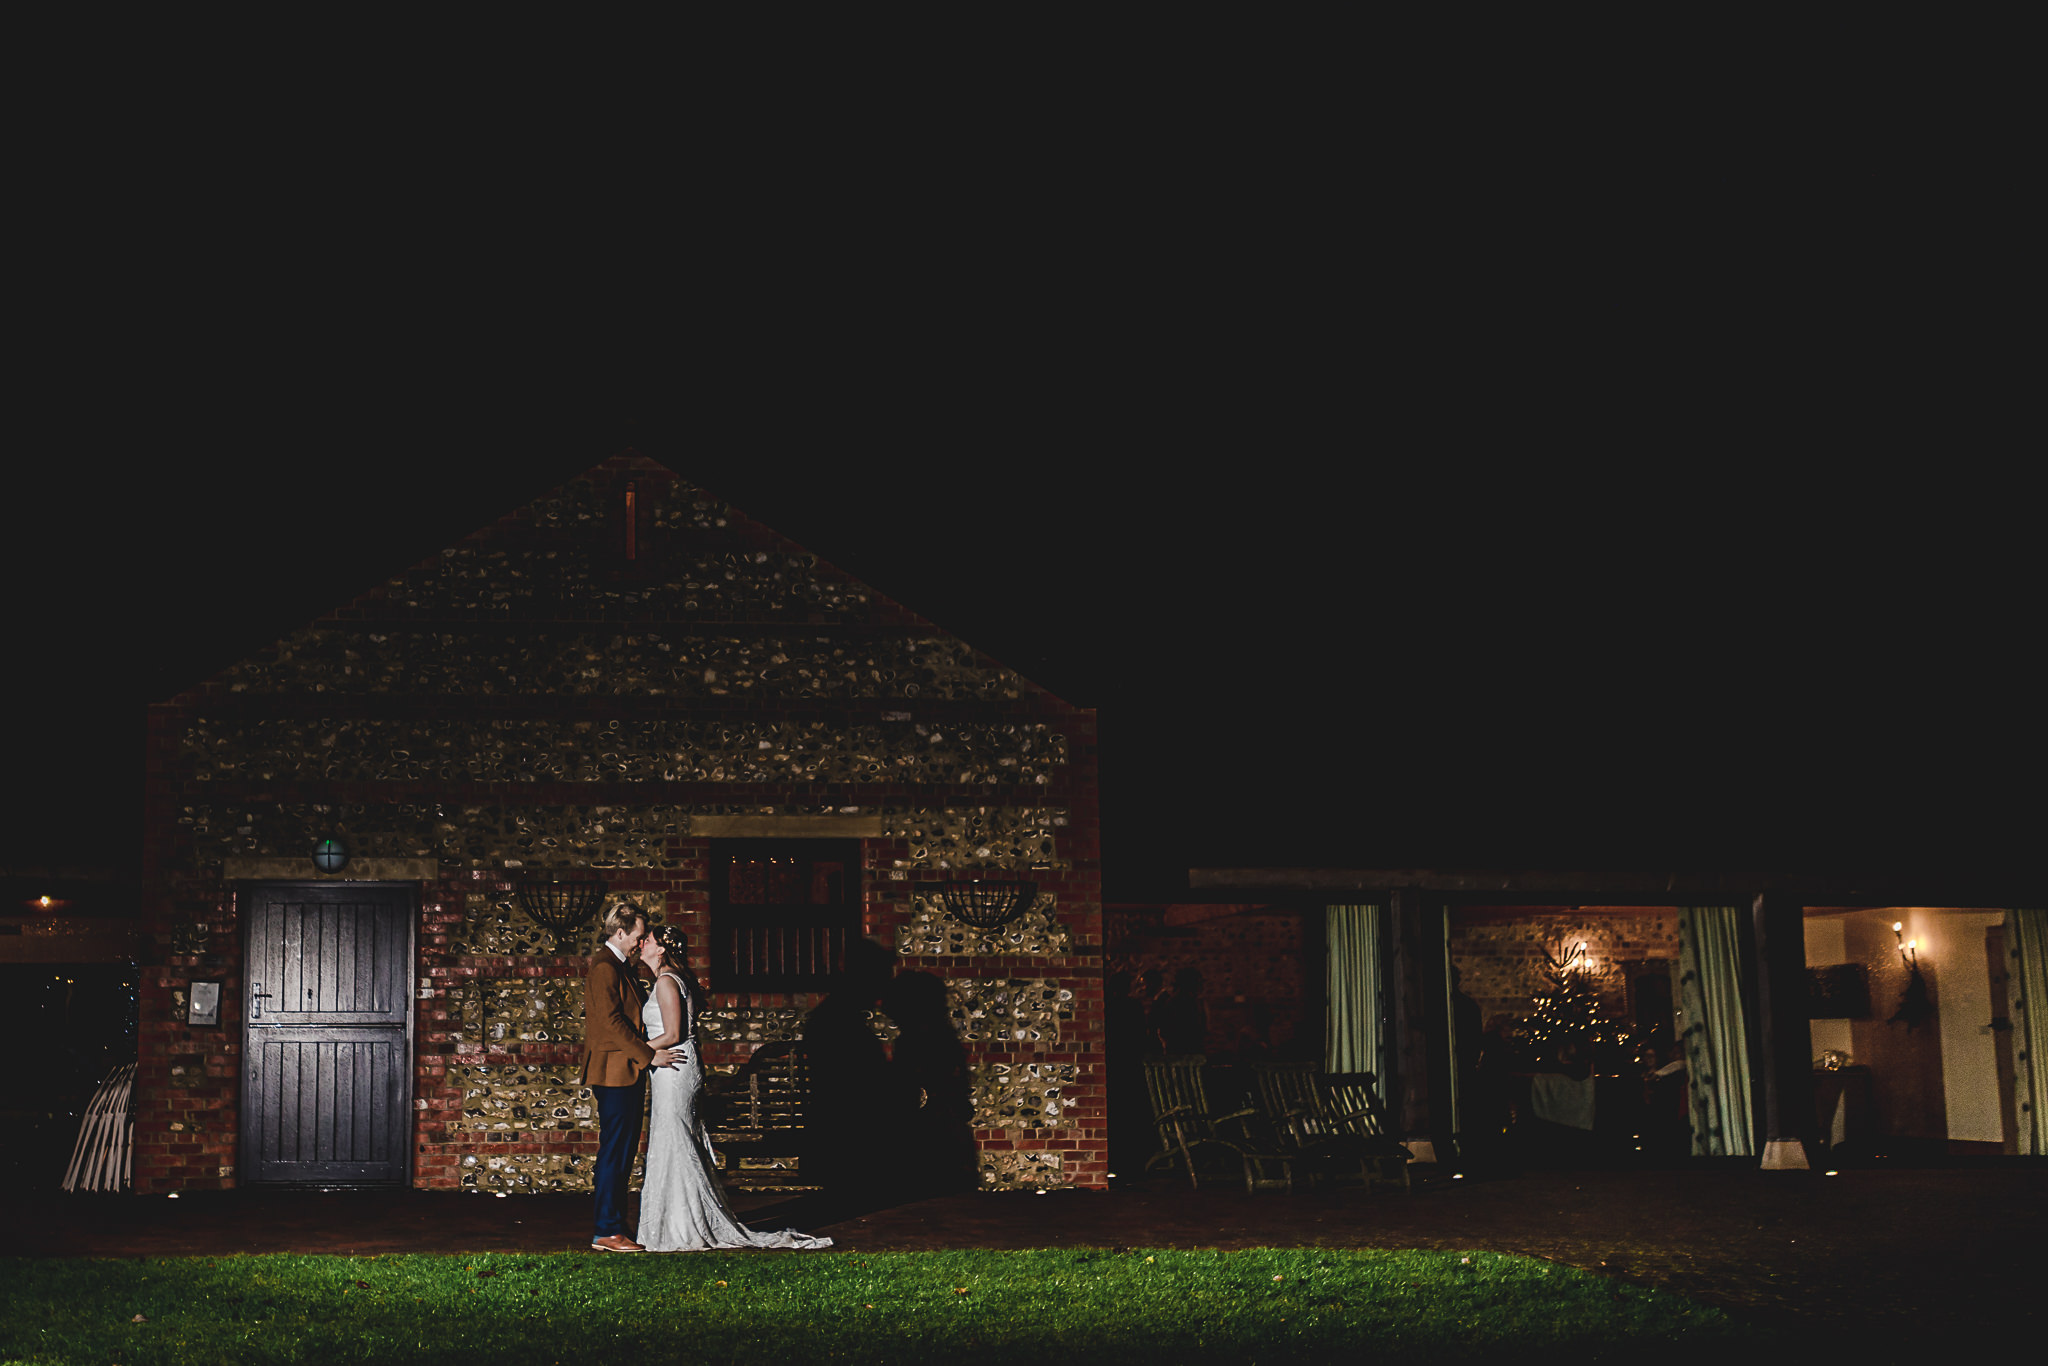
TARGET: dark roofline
(202,692)
(1633,888)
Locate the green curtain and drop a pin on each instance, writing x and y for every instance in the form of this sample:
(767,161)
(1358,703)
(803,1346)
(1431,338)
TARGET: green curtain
(1351,1036)
(1711,1030)
(2026,945)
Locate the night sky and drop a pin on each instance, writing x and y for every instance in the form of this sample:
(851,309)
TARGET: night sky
(1463,481)
(1332,612)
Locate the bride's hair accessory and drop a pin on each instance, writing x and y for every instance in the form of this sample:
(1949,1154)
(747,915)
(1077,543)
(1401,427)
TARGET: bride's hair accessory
(675,951)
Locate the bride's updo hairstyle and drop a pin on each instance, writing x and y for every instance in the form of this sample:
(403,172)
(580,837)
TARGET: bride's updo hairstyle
(675,956)
(675,946)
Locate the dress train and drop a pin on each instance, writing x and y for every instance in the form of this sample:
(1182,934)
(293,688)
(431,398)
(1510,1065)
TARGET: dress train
(682,1203)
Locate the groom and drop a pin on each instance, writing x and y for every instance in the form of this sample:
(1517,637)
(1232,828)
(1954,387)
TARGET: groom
(615,1062)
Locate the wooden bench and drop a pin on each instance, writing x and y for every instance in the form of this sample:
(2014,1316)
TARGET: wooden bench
(755,1119)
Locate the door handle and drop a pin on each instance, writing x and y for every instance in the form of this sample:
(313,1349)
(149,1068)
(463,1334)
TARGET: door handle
(257,996)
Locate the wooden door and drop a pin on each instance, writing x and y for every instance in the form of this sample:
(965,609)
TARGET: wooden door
(327,1056)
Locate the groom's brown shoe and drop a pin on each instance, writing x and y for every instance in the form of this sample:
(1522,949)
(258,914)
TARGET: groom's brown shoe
(617,1242)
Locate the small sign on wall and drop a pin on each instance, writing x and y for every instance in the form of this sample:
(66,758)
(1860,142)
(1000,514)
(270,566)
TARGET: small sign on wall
(204,1008)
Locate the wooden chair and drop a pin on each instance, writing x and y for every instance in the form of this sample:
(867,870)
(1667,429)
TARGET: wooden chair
(1262,1156)
(1180,1109)
(1352,1100)
(1333,1124)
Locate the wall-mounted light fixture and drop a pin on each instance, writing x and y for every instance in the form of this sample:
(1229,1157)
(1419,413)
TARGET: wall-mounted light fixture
(330,856)
(1915,1006)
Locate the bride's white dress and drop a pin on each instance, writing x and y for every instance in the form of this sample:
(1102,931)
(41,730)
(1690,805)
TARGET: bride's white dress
(682,1205)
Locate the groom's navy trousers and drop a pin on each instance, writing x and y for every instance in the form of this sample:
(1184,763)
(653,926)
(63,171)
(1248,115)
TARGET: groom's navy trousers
(618,1134)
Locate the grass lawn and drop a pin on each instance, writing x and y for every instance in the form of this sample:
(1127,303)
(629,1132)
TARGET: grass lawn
(1045,1306)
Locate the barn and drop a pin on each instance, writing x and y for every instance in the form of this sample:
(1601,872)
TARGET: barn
(374,853)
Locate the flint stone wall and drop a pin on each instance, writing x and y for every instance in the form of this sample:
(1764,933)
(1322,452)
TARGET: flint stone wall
(636,662)
(460,749)
(598,836)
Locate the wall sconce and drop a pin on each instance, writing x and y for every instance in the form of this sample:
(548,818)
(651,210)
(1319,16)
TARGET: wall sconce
(329,856)
(1915,1008)
(1570,960)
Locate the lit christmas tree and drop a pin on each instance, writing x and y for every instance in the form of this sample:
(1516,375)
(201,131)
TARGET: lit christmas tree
(1566,1021)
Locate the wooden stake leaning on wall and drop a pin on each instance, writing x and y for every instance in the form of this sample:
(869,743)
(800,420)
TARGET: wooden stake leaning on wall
(88,1133)
(126,1165)
(78,1149)
(112,1173)
(106,1137)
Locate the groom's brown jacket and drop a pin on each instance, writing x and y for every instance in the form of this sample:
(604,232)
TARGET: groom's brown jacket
(615,1048)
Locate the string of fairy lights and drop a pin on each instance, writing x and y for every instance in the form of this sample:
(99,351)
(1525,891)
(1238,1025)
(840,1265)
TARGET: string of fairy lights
(1568,1011)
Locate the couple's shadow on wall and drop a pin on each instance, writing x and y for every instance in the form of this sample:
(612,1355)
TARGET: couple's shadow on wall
(880,1130)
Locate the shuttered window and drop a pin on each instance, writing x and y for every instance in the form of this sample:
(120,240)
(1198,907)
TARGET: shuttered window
(782,913)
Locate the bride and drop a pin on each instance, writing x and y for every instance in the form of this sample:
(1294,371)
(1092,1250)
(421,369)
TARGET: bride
(682,1205)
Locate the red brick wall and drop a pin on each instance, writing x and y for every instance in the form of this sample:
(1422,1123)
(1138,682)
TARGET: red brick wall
(187,1080)
(1259,991)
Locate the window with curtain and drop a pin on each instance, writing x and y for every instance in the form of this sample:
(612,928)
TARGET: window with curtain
(1351,1036)
(1712,1032)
